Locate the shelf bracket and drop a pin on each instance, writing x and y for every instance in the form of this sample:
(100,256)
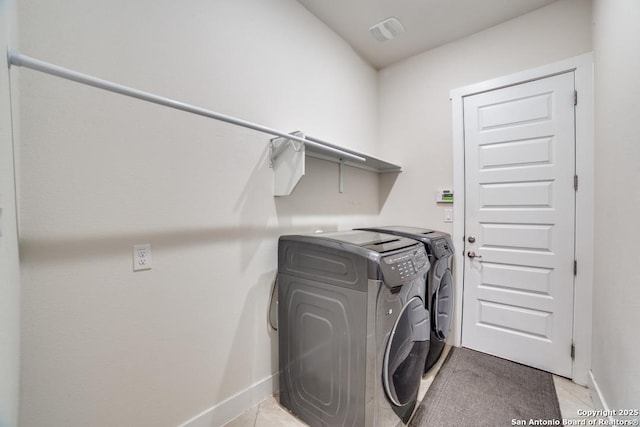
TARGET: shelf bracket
(279,144)
(287,159)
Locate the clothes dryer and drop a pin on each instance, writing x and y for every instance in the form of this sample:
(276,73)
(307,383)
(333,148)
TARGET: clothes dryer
(439,297)
(353,328)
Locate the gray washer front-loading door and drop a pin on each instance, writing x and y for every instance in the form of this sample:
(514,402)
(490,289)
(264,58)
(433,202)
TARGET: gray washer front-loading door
(442,306)
(406,352)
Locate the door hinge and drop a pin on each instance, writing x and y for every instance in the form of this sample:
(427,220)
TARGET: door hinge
(575,97)
(575,267)
(573,351)
(575,182)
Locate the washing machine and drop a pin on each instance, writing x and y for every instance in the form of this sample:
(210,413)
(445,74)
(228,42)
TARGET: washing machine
(439,297)
(353,330)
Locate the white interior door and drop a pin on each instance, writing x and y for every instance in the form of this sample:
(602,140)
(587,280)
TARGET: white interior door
(520,222)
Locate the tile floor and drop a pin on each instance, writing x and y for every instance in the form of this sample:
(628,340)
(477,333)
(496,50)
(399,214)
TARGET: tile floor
(269,413)
(572,397)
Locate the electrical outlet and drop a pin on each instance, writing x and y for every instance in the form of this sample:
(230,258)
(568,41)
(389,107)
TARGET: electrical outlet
(141,257)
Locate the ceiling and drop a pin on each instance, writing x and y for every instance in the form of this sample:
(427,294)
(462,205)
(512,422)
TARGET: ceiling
(427,23)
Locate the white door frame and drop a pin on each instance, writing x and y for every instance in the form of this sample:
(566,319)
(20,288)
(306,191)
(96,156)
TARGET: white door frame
(583,67)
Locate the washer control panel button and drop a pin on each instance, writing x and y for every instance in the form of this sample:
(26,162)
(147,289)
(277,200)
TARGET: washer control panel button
(404,266)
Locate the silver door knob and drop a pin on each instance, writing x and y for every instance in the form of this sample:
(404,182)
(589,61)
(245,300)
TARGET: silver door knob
(472,255)
(471,239)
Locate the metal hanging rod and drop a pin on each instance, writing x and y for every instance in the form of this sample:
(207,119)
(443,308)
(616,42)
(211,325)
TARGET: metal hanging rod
(20,60)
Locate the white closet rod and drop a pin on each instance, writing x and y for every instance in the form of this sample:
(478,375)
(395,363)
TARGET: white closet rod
(20,60)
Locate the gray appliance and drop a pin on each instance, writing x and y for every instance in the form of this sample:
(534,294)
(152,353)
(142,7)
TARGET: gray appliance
(439,297)
(353,330)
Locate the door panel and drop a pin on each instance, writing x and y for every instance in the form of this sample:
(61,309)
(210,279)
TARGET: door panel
(517,278)
(514,112)
(520,207)
(516,195)
(515,153)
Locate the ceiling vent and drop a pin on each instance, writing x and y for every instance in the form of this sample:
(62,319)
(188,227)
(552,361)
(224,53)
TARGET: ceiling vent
(386,29)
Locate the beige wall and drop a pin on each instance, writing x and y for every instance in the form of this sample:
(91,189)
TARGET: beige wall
(9,268)
(415,111)
(616,310)
(101,172)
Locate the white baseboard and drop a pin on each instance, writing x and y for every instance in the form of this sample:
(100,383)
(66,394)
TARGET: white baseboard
(235,405)
(596,394)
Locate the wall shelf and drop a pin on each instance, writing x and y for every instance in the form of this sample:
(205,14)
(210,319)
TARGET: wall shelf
(287,151)
(287,157)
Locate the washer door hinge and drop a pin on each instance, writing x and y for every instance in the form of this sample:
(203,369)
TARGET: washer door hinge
(575,97)
(575,267)
(575,182)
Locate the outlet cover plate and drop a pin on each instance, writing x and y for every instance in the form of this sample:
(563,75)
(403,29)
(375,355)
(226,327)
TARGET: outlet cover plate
(142,257)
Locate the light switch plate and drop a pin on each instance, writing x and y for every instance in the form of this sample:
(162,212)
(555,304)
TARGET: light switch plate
(448,215)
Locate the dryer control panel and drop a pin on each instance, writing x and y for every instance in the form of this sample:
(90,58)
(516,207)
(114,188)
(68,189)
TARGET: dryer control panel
(401,267)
